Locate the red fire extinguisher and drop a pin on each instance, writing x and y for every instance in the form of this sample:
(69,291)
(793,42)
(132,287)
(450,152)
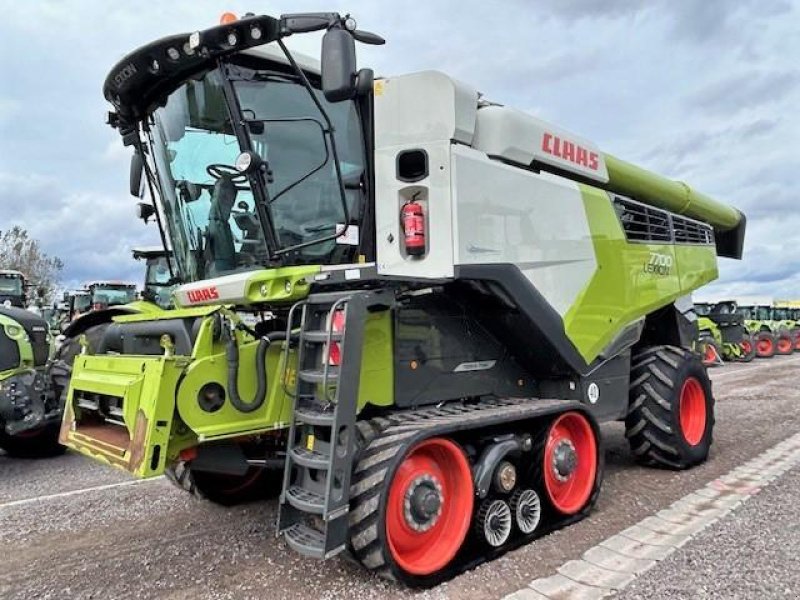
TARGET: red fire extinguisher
(413,220)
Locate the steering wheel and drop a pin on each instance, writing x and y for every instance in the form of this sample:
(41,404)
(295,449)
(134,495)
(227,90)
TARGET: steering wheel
(218,171)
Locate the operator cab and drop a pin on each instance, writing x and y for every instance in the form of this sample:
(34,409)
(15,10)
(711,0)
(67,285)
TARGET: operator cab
(250,163)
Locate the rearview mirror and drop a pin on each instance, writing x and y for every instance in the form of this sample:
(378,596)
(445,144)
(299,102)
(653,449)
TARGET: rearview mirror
(144,211)
(137,168)
(338,65)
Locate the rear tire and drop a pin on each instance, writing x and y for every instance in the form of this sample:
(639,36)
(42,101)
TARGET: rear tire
(784,343)
(223,489)
(765,344)
(748,347)
(41,442)
(670,420)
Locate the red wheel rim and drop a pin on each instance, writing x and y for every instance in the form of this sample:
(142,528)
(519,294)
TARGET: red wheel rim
(424,551)
(710,355)
(693,411)
(569,491)
(784,345)
(746,347)
(764,346)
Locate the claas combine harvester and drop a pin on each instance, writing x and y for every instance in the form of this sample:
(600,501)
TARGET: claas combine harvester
(412,304)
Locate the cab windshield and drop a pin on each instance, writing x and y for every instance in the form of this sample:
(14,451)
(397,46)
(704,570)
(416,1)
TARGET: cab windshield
(214,222)
(10,285)
(781,314)
(112,295)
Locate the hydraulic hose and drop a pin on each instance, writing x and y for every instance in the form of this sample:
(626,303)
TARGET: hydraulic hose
(232,356)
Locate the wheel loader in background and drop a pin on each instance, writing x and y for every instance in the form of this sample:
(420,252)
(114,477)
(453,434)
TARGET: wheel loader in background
(772,337)
(721,333)
(410,303)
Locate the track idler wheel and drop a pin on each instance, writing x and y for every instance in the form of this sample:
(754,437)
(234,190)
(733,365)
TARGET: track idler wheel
(569,463)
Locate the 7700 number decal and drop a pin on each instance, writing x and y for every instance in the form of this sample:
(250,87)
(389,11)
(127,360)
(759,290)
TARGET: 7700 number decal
(658,264)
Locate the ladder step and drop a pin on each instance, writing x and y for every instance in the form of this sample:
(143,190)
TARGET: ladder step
(305,500)
(318,375)
(312,416)
(309,458)
(320,337)
(305,540)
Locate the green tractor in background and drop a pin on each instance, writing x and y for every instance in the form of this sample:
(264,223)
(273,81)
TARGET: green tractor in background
(722,335)
(772,337)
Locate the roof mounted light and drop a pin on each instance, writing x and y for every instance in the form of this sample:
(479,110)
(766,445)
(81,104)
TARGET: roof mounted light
(227,18)
(350,23)
(255,33)
(173,53)
(233,39)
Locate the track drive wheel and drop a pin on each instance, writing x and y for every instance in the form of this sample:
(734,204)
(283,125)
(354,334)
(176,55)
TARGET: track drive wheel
(748,347)
(41,442)
(670,418)
(224,489)
(765,344)
(409,524)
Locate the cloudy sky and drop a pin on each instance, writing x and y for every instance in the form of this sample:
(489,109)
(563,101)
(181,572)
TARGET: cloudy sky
(707,91)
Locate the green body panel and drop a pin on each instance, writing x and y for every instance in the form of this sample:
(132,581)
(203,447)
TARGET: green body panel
(675,196)
(285,284)
(632,279)
(16,332)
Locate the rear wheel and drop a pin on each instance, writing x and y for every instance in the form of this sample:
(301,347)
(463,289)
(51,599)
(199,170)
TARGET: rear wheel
(41,442)
(765,344)
(227,490)
(784,344)
(670,420)
(748,347)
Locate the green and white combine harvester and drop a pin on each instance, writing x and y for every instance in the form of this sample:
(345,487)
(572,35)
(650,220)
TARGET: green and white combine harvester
(773,335)
(409,307)
(722,335)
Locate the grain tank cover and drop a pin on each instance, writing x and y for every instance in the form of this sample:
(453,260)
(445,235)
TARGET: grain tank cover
(520,138)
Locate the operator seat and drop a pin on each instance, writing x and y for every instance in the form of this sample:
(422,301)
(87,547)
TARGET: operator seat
(221,253)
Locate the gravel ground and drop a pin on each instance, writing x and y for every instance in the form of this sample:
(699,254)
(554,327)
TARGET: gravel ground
(752,553)
(152,541)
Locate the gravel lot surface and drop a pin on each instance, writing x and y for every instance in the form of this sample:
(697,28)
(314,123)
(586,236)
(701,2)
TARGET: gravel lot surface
(150,540)
(752,553)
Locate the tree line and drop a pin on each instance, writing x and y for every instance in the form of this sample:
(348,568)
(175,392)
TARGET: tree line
(20,252)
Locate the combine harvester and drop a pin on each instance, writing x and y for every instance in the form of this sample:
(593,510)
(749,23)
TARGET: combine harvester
(414,303)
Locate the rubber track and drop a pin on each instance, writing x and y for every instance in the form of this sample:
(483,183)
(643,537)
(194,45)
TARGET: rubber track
(385,441)
(648,424)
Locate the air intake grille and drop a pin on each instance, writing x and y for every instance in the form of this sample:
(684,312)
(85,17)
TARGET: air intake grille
(643,223)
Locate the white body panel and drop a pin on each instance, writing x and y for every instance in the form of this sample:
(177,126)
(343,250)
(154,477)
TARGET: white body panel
(521,138)
(478,210)
(507,215)
(228,289)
